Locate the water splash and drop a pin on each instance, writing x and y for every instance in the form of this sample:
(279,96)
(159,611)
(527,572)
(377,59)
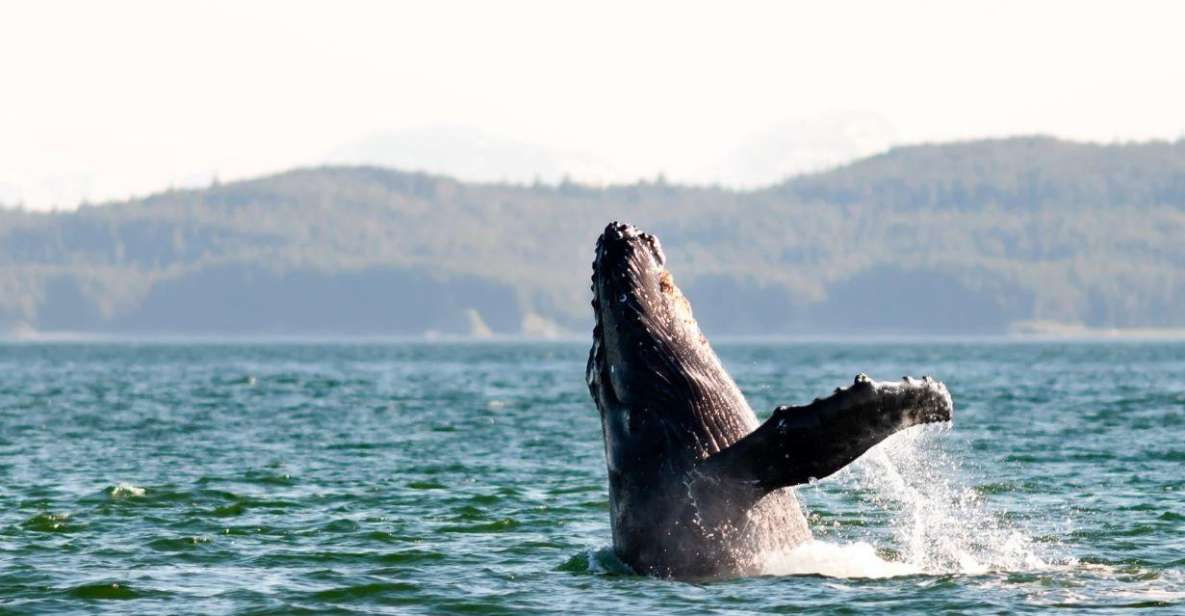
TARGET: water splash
(937,525)
(941,524)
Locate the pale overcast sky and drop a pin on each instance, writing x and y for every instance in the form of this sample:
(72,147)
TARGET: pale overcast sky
(102,100)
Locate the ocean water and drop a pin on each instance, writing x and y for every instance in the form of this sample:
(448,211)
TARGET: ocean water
(430,478)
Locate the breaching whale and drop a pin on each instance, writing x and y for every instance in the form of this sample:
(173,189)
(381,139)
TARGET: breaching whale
(696,488)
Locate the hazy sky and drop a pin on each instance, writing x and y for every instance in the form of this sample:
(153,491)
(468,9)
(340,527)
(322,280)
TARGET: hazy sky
(101,100)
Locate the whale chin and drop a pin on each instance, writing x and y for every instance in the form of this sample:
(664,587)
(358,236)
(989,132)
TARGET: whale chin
(697,488)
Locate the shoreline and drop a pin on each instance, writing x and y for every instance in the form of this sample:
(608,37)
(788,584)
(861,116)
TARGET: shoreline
(1014,335)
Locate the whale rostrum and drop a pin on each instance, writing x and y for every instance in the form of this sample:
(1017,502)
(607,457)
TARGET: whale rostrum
(697,489)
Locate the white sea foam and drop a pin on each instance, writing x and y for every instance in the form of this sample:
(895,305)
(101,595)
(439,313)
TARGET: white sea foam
(125,490)
(840,560)
(1102,586)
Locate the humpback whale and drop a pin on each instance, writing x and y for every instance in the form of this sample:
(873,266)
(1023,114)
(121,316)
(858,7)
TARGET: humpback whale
(697,489)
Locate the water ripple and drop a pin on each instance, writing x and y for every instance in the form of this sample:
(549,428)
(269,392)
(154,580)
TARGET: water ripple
(449,478)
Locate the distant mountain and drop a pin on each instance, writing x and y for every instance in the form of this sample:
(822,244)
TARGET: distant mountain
(958,238)
(473,155)
(801,146)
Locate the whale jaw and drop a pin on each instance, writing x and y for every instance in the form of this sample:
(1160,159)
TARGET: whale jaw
(644,333)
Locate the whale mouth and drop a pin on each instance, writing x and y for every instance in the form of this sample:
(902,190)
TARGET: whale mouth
(648,350)
(631,302)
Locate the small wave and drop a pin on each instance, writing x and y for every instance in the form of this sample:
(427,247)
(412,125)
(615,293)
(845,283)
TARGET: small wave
(365,592)
(343,525)
(428,484)
(50,523)
(177,544)
(229,511)
(497,526)
(125,490)
(268,478)
(101,591)
(601,561)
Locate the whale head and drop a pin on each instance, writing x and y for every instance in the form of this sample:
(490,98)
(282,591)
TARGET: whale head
(649,363)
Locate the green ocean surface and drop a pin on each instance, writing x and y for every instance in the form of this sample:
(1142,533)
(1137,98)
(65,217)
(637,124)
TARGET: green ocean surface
(468,478)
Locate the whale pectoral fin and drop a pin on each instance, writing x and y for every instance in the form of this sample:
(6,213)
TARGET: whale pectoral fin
(801,443)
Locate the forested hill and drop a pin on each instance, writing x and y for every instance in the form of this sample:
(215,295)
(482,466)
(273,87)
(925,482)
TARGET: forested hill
(971,237)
